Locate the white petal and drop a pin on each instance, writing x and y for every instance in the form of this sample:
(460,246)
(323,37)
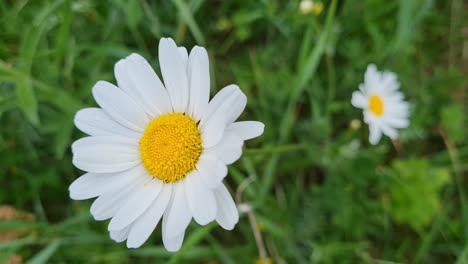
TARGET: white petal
(173,244)
(199,79)
(246,129)
(236,108)
(177,215)
(120,235)
(184,55)
(363,89)
(374,134)
(117,104)
(230,102)
(95,122)
(358,100)
(397,122)
(217,101)
(400,110)
(371,77)
(105,154)
(227,214)
(201,200)
(108,204)
(211,170)
(94,184)
(387,130)
(136,204)
(146,223)
(212,132)
(174,74)
(389,81)
(229,149)
(220,111)
(394,98)
(137,78)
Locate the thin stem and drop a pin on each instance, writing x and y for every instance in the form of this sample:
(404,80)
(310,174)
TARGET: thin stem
(258,236)
(457,177)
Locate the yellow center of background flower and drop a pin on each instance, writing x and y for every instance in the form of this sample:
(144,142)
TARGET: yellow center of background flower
(170,146)
(376,105)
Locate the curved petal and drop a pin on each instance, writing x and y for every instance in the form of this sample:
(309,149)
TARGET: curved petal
(117,104)
(246,129)
(120,235)
(174,74)
(387,130)
(219,114)
(184,55)
(91,185)
(227,215)
(137,78)
(211,170)
(236,108)
(374,134)
(145,224)
(94,122)
(173,244)
(136,204)
(359,100)
(390,81)
(218,100)
(229,149)
(200,199)
(400,110)
(397,122)
(371,76)
(177,215)
(105,154)
(199,78)
(109,203)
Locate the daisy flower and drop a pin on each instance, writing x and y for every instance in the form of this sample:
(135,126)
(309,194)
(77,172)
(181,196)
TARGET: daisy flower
(159,152)
(383,105)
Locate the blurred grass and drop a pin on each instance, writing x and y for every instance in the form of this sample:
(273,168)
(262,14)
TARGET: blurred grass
(320,193)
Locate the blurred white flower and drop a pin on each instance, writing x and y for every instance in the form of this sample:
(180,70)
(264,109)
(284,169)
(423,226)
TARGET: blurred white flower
(383,105)
(308,6)
(160,151)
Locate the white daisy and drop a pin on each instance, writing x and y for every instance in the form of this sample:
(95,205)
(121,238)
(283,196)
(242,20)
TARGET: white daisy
(383,105)
(160,151)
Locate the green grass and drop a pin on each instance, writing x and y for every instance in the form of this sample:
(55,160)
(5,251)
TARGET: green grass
(319,191)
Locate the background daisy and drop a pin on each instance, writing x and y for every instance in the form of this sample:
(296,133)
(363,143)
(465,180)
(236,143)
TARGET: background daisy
(383,106)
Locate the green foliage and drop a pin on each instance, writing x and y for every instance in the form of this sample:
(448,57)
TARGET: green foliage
(411,180)
(319,191)
(453,120)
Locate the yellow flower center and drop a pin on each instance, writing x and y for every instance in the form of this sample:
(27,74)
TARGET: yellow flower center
(170,146)
(376,105)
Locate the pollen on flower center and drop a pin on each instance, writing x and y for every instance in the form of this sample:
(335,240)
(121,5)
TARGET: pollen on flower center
(376,105)
(170,146)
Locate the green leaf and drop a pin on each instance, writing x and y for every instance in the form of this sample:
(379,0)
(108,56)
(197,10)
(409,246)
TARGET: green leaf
(463,257)
(44,255)
(16,244)
(452,119)
(26,97)
(186,14)
(27,100)
(414,193)
(133,13)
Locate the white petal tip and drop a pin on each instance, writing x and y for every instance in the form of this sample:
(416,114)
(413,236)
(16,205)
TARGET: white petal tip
(133,245)
(204,222)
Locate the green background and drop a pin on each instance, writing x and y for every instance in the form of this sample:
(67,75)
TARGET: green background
(320,193)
